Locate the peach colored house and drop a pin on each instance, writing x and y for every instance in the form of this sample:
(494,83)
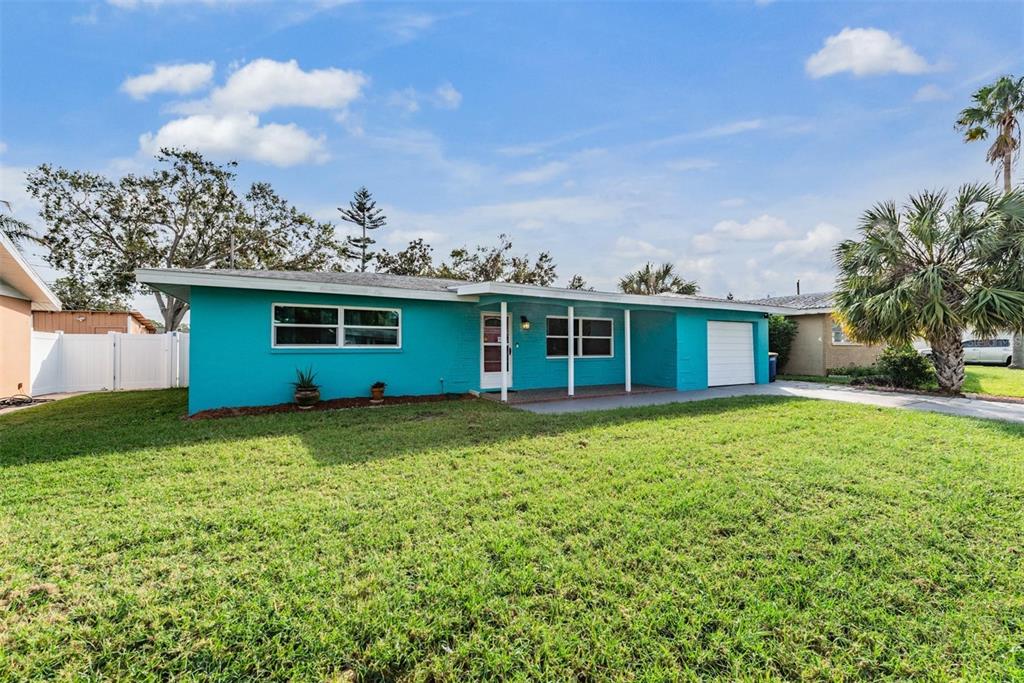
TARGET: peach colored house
(820,342)
(21,292)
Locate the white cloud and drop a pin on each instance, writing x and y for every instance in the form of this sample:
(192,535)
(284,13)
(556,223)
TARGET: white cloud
(401,238)
(724,233)
(540,174)
(761,228)
(264,84)
(818,241)
(407,100)
(864,52)
(931,93)
(406,27)
(718,131)
(238,136)
(682,165)
(175,78)
(630,248)
(447,97)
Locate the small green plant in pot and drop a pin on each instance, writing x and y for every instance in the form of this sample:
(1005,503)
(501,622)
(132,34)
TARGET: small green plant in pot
(377,392)
(307,391)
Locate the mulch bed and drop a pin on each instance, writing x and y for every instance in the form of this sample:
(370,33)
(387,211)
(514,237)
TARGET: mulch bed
(331,404)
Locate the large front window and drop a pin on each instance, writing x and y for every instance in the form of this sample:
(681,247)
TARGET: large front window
(336,326)
(592,337)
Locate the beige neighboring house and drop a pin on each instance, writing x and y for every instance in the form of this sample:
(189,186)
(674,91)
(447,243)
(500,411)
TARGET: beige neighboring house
(820,343)
(22,291)
(92,322)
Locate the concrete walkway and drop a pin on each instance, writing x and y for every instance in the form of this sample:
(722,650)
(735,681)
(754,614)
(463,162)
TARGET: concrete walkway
(966,407)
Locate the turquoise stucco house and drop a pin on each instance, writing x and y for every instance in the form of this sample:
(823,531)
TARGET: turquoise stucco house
(250,330)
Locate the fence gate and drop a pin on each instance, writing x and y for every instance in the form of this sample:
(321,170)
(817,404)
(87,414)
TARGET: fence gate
(93,362)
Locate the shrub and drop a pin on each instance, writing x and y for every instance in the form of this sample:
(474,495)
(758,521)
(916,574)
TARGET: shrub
(781,332)
(871,380)
(854,371)
(905,367)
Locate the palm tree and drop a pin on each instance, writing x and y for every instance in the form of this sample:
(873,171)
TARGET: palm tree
(16,231)
(999,108)
(656,280)
(929,271)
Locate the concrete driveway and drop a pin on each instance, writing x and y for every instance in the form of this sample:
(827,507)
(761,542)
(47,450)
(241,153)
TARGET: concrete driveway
(965,407)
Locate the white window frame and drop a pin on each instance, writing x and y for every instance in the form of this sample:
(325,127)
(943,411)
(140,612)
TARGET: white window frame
(340,338)
(845,342)
(578,338)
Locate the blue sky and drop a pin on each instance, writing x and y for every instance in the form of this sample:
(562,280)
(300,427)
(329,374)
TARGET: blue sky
(738,140)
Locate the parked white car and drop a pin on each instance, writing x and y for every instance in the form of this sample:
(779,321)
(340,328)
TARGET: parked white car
(983,351)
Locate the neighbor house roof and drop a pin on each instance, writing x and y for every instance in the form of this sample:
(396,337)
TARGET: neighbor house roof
(818,302)
(178,283)
(18,277)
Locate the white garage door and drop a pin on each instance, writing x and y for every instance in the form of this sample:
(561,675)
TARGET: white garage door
(730,353)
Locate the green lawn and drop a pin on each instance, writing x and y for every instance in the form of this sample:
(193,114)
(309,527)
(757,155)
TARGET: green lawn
(744,538)
(996,381)
(978,379)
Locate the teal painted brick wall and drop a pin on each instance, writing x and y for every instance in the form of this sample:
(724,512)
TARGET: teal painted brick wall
(692,345)
(233,364)
(654,348)
(531,369)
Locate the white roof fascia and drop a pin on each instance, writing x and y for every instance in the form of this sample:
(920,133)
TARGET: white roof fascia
(156,277)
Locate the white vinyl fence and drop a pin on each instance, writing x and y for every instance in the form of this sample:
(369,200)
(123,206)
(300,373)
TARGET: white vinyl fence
(93,362)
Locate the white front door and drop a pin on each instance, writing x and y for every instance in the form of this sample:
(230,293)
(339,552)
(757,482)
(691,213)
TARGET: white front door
(490,350)
(730,353)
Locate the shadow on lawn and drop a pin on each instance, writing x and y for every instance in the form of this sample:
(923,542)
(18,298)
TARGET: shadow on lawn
(108,423)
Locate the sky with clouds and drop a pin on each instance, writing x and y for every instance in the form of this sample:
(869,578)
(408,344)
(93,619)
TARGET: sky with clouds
(738,140)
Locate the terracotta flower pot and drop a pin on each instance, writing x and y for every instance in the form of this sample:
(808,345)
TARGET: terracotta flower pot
(307,398)
(377,394)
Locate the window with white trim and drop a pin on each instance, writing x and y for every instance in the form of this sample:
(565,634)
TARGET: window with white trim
(839,336)
(298,326)
(592,337)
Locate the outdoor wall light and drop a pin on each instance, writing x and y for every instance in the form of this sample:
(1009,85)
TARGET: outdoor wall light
(524,322)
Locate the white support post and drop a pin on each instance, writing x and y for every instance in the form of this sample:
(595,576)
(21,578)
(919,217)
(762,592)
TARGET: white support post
(572,353)
(627,351)
(504,352)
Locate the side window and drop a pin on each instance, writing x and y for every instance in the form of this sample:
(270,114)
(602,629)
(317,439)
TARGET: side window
(305,325)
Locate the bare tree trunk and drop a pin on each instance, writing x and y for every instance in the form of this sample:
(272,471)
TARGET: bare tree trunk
(1018,350)
(948,357)
(1007,185)
(173,310)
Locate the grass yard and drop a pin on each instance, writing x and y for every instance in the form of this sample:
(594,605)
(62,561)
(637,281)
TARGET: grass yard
(743,538)
(978,379)
(996,381)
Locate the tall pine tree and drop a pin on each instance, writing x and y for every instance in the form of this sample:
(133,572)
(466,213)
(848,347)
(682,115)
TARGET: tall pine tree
(362,211)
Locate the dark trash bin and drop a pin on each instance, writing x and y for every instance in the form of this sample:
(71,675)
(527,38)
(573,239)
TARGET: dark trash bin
(773,364)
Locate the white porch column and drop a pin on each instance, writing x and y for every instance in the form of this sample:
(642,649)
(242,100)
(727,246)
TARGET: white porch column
(629,356)
(572,353)
(504,352)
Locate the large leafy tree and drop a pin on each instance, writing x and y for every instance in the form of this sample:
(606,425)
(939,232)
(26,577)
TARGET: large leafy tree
(997,112)
(185,214)
(415,259)
(651,279)
(930,269)
(363,213)
(481,264)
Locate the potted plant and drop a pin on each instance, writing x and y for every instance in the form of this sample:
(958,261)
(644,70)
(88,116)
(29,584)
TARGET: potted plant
(377,392)
(307,391)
